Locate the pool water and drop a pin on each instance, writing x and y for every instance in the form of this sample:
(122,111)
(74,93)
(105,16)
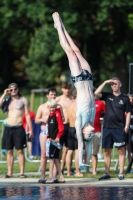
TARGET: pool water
(65,193)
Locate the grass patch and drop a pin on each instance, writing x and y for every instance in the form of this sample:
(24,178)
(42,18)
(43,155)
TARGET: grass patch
(34,167)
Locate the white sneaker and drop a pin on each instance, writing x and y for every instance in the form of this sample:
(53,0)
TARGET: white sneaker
(120,176)
(31,157)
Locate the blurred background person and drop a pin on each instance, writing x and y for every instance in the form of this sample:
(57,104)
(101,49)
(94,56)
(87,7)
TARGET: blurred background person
(129,139)
(97,137)
(25,125)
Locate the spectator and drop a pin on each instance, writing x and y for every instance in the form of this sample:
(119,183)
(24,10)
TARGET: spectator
(130,134)
(72,138)
(24,122)
(55,131)
(96,139)
(14,133)
(42,118)
(115,128)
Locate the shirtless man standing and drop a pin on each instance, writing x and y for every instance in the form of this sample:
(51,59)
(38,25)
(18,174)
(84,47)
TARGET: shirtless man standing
(42,117)
(64,100)
(72,139)
(82,78)
(14,133)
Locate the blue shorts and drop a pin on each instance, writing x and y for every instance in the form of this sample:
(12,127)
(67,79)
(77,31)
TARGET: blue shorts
(43,132)
(116,136)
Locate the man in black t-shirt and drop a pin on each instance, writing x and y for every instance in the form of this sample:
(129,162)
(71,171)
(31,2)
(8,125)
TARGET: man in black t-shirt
(115,125)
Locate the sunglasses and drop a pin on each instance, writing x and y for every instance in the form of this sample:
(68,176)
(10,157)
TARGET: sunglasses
(14,89)
(113,83)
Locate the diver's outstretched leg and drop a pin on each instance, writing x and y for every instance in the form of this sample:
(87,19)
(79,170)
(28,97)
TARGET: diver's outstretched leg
(83,62)
(74,63)
(78,126)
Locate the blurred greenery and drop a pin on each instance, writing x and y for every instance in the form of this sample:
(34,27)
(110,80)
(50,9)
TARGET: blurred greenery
(30,53)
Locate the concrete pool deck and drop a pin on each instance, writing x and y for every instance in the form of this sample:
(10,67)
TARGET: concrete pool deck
(114,182)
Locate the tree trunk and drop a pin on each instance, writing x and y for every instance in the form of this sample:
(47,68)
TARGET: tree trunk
(121,69)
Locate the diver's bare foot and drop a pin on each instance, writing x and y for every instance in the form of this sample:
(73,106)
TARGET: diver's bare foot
(63,27)
(78,175)
(56,18)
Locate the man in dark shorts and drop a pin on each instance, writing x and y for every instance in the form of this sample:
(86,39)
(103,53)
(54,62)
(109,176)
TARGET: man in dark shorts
(115,125)
(14,135)
(72,138)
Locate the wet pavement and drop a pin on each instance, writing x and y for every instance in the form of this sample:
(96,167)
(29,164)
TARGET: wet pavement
(69,181)
(72,189)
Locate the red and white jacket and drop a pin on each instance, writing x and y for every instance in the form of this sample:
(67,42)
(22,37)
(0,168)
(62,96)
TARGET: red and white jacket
(55,125)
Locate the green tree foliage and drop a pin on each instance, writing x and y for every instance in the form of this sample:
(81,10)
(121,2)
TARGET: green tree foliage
(113,25)
(43,62)
(29,45)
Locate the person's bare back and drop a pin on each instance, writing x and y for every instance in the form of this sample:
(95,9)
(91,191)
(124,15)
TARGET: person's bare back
(71,113)
(64,102)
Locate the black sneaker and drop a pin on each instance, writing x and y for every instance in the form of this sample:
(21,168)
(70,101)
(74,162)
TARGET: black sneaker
(56,180)
(120,176)
(105,177)
(87,170)
(72,172)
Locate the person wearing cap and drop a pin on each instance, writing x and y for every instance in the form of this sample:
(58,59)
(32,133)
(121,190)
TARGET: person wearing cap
(14,133)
